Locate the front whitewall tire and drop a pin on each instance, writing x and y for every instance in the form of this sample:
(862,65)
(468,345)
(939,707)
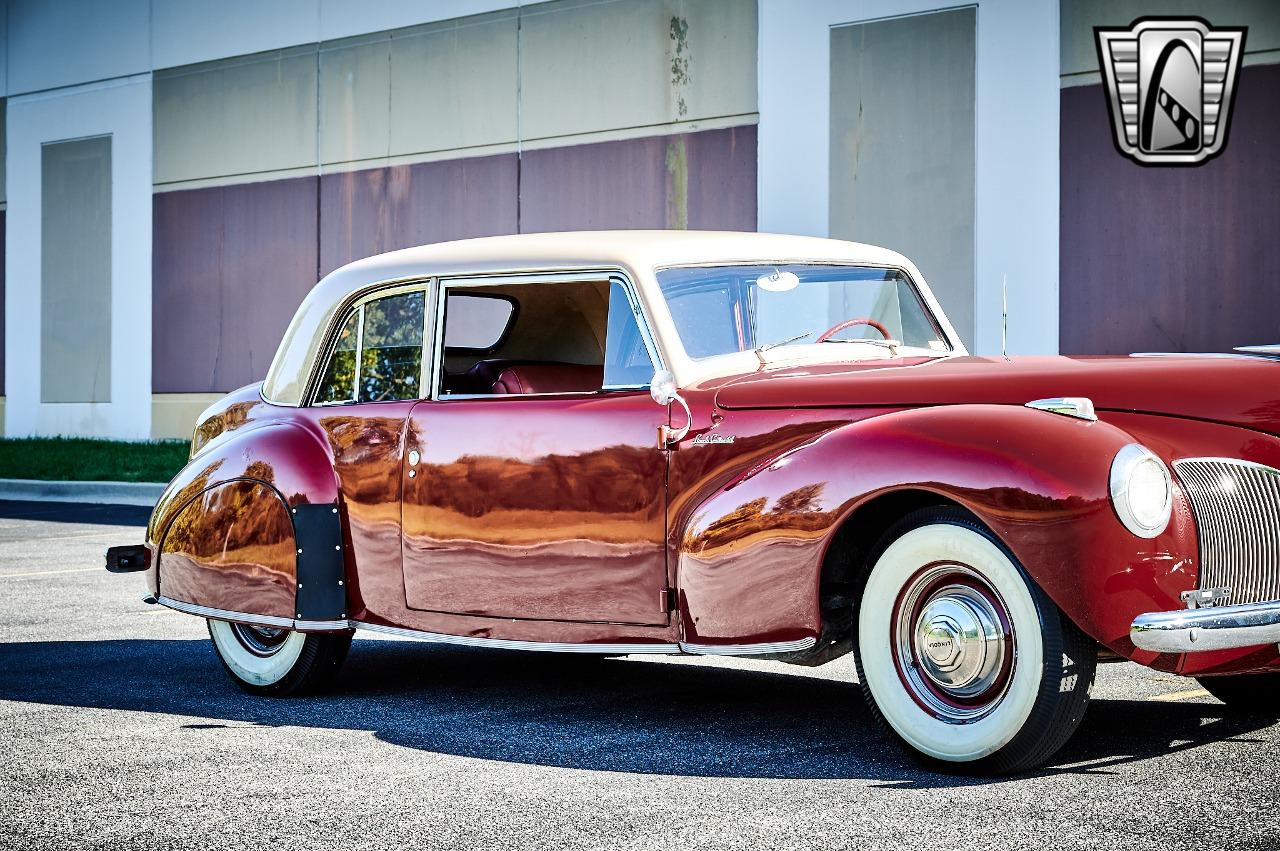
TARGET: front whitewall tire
(1033,700)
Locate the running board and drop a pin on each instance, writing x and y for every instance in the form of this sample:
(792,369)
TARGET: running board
(666,649)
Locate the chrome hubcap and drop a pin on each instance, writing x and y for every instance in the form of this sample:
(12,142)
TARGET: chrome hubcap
(953,643)
(260,640)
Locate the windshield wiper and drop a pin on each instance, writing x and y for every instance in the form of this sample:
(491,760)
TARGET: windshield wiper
(891,345)
(760,350)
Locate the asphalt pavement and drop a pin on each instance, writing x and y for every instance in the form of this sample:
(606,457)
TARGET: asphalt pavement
(118,729)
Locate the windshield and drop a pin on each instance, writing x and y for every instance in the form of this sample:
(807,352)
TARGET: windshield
(723,309)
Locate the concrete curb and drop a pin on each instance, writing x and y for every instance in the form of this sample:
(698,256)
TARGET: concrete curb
(107,493)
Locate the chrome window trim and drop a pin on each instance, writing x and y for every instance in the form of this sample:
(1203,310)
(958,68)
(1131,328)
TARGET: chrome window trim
(357,301)
(603,275)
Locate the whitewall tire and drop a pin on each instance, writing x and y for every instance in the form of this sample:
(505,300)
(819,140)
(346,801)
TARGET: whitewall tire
(960,655)
(269,661)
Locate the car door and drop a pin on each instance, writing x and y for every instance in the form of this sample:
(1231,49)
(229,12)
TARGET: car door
(543,498)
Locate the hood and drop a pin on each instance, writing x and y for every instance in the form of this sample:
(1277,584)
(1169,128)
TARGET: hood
(1237,390)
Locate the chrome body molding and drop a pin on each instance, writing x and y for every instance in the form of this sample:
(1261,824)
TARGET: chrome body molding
(660,648)
(1272,351)
(1212,628)
(748,649)
(1236,504)
(515,644)
(1079,407)
(253,620)
(224,615)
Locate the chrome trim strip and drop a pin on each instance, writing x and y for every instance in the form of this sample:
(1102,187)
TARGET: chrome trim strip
(1271,352)
(748,649)
(514,644)
(664,649)
(255,620)
(1079,407)
(1213,628)
(321,626)
(224,615)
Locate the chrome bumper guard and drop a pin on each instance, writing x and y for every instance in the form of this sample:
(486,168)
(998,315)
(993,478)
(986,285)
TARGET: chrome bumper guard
(1212,628)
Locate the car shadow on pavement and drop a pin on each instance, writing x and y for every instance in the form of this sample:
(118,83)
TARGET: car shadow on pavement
(568,711)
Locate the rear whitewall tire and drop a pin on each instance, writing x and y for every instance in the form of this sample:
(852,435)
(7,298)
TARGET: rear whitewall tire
(1032,704)
(284,663)
(255,669)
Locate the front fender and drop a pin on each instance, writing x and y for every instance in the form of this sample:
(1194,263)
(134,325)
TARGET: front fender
(751,556)
(252,525)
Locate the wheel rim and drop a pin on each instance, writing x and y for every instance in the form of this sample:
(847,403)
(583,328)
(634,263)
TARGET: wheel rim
(260,640)
(953,643)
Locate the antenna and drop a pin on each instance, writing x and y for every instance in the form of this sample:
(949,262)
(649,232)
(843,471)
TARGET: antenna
(1004,316)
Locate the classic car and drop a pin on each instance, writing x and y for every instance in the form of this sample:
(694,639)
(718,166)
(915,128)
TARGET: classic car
(730,444)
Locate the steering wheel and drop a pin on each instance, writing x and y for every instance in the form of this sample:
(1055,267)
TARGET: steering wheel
(849,323)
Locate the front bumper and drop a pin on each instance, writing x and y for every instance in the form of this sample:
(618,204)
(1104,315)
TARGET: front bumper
(1212,628)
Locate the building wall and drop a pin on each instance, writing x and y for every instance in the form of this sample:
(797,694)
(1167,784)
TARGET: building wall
(1169,259)
(1013,217)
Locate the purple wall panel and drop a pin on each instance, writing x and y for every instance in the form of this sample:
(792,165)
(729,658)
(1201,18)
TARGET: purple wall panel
(703,180)
(382,209)
(1170,259)
(231,263)
(229,266)
(2,299)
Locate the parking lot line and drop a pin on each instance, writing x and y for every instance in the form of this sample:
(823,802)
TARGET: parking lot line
(1181,695)
(48,572)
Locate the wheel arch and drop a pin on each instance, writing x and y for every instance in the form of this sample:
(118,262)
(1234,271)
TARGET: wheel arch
(269,495)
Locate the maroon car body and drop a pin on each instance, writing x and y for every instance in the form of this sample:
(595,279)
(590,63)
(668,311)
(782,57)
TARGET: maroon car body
(592,519)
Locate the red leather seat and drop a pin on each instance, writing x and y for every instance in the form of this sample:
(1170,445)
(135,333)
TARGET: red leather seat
(549,378)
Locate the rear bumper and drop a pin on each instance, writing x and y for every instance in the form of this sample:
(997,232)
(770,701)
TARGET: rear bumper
(1213,628)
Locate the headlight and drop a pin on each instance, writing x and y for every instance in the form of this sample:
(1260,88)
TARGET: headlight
(1141,491)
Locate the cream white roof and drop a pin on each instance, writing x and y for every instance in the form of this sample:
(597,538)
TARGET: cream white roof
(637,252)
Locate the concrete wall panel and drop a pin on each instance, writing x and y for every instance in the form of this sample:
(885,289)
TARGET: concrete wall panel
(902,146)
(241,116)
(453,85)
(591,66)
(190,31)
(1170,259)
(231,265)
(355,92)
(375,210)
(74,41)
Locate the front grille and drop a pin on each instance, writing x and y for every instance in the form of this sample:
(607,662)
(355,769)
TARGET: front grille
(1237,508)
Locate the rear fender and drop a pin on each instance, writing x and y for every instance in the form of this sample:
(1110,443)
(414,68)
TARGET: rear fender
(751,556)
(251,526)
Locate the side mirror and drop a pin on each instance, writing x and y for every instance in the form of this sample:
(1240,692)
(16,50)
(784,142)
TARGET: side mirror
(664,391)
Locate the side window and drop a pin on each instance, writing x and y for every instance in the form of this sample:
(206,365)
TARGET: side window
(339,383)
(388,335)
(626,357)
